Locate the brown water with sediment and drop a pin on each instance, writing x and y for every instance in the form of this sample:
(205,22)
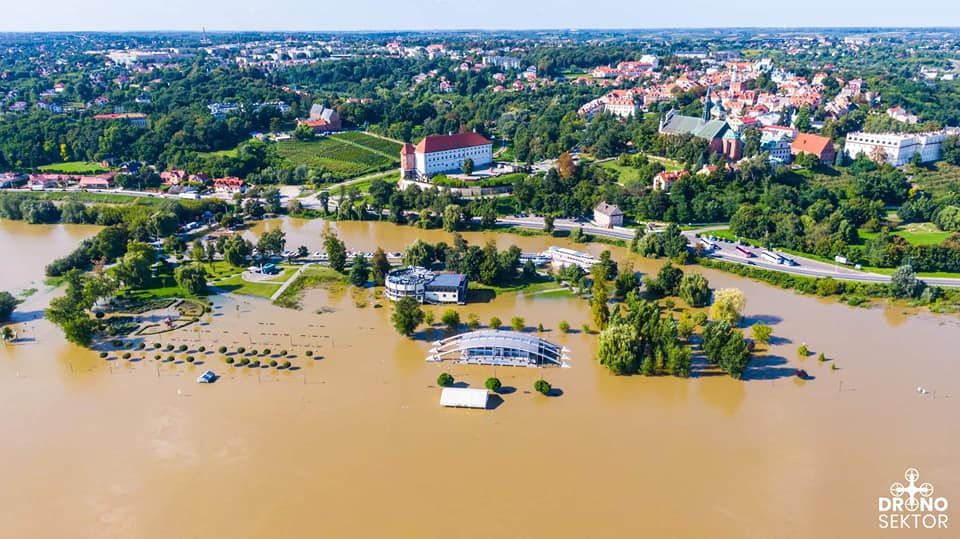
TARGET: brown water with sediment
(354,443)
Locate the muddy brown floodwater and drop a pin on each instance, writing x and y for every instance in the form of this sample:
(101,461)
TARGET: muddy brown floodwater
(353,442)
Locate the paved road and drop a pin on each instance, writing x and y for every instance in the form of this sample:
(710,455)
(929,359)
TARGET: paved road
(727,252)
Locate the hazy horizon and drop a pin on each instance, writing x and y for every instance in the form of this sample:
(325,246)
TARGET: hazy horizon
(449,15)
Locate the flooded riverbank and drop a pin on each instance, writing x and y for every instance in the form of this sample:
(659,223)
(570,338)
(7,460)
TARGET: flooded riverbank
(352,442)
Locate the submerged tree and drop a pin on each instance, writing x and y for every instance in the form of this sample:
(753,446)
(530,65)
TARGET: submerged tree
(407,315)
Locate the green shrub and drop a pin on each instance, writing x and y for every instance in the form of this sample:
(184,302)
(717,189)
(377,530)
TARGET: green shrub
(564,326)
(273,362)
(156,345)
(157,357)
(126,355)
(182,348)
(309,353)
(255,363)
(103,355)
(542,386)
(266,351)
(202,349)
(222,349)
(285,365)
(170,359)
(241,350)
(283,353)
(141,346)
(229,360)
(803,351)
(445,379)
(190,359)
(493,384)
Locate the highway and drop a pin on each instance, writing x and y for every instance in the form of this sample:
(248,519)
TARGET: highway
(727,252)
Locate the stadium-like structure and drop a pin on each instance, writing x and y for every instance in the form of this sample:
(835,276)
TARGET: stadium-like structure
(498,347)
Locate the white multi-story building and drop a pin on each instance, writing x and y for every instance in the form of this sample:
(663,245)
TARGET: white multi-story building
(426,286)
(897,147)
(446,153)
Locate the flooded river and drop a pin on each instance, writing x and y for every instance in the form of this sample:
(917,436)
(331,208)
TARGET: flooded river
(353,443)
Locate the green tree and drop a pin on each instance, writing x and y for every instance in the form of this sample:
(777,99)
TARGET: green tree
(904,283)
(761,333)
(236,249)
(380,267)
(728,305)
(493,384)
(133,270)
(359,272)
(7,305)
(564,326)
(192,278)
(542,386)
(271,243)
(451,319)
(694,289)
(452,215)
(445,379)
(418,253)
(336,252)
(599,307)
(517,323)
(619,349)
(467,166)
(495,322)
(407,315)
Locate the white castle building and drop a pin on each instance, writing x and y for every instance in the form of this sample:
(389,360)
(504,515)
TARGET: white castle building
(445,153)
(898,147)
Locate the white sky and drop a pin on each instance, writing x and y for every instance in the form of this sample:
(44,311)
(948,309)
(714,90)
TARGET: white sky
(120,15)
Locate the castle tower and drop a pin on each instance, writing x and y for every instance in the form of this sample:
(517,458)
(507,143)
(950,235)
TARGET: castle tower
(408,161)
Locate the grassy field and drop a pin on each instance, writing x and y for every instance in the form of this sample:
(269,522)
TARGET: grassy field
(343,160)
(625,175)
(311,277)
(371,142)
(389,177)
(74,167)
(237,285)
(220,153)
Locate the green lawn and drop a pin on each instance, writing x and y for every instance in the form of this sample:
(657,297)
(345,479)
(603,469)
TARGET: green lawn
(237,285)
(922,234)
(311,277)
(219,153)
(74,167)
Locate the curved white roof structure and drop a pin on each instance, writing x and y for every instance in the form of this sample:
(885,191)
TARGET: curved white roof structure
(498,347)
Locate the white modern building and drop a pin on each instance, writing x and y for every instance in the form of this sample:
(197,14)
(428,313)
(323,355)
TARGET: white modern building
(426,286)
(445,153)
(561,256)
(898,147)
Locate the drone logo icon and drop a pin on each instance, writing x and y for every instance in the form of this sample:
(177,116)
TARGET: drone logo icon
(925,490)
(912,505)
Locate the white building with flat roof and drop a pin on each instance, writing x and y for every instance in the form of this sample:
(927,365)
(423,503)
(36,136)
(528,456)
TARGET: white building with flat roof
(897,147)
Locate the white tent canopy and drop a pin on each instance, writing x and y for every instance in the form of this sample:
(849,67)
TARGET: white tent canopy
(464,397)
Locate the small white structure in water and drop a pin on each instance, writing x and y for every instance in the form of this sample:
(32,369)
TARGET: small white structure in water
(464,397)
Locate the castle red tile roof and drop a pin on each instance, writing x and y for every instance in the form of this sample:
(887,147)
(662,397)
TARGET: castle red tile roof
(442,143)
